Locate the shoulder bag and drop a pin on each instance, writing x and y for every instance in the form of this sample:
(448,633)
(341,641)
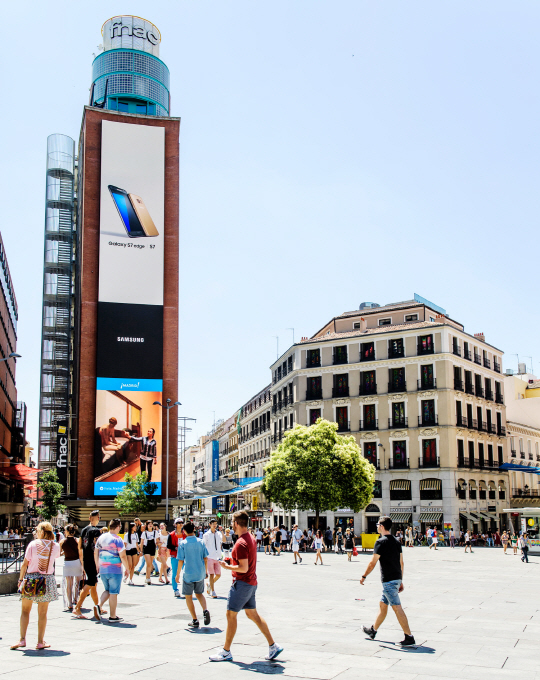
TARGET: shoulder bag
(37,585)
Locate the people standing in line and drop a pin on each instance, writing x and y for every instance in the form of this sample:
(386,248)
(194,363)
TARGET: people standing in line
(434,538)
(148,545)
(349,543)
(38,563)
(192,565)
(318,545)
(87,544)
(73,571)
(524,544)
(387,551)
(163,553)
(296,537)
(467,540)
(513,542)
(132,542)
(242,593)
(213,540)
(110,555)
(173,541)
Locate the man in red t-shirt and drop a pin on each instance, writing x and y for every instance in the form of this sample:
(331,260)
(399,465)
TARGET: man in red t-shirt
(174,538)
(242,593)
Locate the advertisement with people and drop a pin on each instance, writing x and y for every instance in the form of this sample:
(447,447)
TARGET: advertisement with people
(130,306)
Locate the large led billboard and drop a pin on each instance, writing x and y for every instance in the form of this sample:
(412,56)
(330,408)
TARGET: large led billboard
(127,434)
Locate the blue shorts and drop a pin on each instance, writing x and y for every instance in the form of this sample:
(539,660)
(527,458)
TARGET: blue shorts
(390,593)
(111,583)
(241,596)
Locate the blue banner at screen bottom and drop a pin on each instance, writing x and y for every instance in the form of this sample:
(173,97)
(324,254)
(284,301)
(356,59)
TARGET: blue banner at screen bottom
(129,385)
(112,488)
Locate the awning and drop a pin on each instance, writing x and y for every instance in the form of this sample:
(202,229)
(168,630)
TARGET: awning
(430,485)
(519,468)
(435,517)
(401,484)
(467,515)
(401,517)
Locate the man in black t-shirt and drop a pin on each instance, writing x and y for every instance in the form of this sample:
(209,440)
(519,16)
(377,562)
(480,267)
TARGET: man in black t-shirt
(388,553)
(87,544)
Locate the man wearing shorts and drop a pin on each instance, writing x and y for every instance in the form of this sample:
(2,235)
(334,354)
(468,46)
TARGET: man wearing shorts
(434,539)
(467,539)
(296,537)
(242,593)
(388,553)
(173,540)
(87,544)
(192,555)
(110,554)
(212,540)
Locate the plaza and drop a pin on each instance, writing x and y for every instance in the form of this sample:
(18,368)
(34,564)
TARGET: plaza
(473,616)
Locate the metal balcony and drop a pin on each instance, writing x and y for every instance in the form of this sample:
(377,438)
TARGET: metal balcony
(401,386)
(398,422)
(368,389)
(340,392)
(313,394)
(458,384)
(477,359)
(369,425)
(394,464)
(424,421)
(426,384)
(422,463)
(456,349)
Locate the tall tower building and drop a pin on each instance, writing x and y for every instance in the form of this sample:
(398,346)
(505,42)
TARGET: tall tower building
(110,294)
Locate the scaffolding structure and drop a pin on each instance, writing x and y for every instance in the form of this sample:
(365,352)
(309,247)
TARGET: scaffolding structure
(58,287)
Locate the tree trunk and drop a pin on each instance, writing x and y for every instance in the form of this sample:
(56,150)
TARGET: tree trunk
(316,519)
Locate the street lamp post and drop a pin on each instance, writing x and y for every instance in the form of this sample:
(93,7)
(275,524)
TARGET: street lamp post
(13,355)
(168,406)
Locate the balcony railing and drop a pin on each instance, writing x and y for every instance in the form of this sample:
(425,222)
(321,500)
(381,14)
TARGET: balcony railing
(487,363)
(368,389)
(430,463)
(313,394)
(465,462)
(513,453)
(456,349)
(369,425)
(398,387)
(340,359)
(482,426)
(489,395)
(344,427)
(461,421)
(496,366)
(313,363)
(469,388)
(525,493)
(398,422)
(499,398)
(394,464)
(340,392)
(467,354)
(421,350)
(427,384)
(491,429)
(477,359)
(396,353)
(458,384)
(428,420)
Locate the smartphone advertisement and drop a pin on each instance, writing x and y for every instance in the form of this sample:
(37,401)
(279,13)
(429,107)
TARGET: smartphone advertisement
(128,435)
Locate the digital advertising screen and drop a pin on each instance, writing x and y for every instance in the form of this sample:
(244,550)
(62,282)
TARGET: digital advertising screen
(128,435)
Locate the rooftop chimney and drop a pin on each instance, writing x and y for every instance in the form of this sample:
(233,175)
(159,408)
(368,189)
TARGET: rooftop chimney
(480,336)
(362,325)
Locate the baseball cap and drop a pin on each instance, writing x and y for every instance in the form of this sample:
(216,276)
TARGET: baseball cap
(178,520)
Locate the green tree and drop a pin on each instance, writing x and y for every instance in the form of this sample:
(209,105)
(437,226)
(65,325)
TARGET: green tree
(316,469)
(51,490)
(136,498)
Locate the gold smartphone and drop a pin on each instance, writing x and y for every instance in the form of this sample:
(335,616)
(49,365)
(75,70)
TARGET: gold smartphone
(144,216)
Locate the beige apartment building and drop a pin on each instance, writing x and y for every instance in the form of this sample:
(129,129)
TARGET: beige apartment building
(425,402)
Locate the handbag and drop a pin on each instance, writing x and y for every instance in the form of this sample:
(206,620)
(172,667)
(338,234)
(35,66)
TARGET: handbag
(35,586)
(355,552)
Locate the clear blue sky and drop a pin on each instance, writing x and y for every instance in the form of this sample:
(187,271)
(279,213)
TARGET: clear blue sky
(330,153)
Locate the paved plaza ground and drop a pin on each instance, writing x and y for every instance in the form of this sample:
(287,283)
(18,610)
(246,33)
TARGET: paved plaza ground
(475,616)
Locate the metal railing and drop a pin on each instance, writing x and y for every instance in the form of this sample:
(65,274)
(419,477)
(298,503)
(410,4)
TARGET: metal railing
(487,363)
(525,493)
(499,398)
(313,394)
(461,421)
(367,389)
(456,349)
(396,353)
(469,388)
(422,463)
(398,464)
(397,387)
(496,366)
(340,392)
(12,553)
(428,420)
(467,354)
(458,384)
(426,384)
(398,422)
(369,425)
(338,359)
(344,427)
(477,359)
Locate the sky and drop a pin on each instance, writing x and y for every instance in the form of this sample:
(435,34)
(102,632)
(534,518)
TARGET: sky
(330,153)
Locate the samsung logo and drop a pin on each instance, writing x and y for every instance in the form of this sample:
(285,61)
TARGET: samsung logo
(125,339)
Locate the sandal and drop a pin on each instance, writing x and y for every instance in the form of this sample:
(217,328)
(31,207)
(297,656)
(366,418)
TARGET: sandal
(81,616)
(21,643)
(42,645)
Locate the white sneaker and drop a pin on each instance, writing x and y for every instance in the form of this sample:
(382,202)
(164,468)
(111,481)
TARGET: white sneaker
(208,590)
(273,651)
(131,583)
(214,594)
(177,593)
(221,656)
(126,576)
(148,582)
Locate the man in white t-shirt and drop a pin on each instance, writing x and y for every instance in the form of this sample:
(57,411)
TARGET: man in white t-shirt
(296,536)
(259,537)
(283,537)
(213,539)
(468,541)
(434,539)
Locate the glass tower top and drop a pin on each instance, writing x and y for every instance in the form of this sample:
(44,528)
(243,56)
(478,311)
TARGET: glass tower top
(128,75)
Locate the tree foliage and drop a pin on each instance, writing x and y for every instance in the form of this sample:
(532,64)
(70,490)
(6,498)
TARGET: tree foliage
(136,498)
(52,491)
(316,469)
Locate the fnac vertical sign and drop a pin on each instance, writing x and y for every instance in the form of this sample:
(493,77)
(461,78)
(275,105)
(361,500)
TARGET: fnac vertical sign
(62,448)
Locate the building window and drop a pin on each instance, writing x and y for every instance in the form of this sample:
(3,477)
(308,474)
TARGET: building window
(340,355)
(341,385)
(342,418)
(396,348)
(397,380)
(313,358)
(385,322)
(411,317)
(367,351)
(400,490)
(314,415)
(290,363)
(399,449)
(370,452)
(123,106)
(428,412)
(430,490)
(425,344)
(370,421)
(367,383)
(356,325)
(398,414)
(460,452)
(426,377)
(377,489)
(314,388)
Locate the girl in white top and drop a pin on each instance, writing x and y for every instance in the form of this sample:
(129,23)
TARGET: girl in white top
(149,545)
(318,544)
(163,553)
(131,541)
